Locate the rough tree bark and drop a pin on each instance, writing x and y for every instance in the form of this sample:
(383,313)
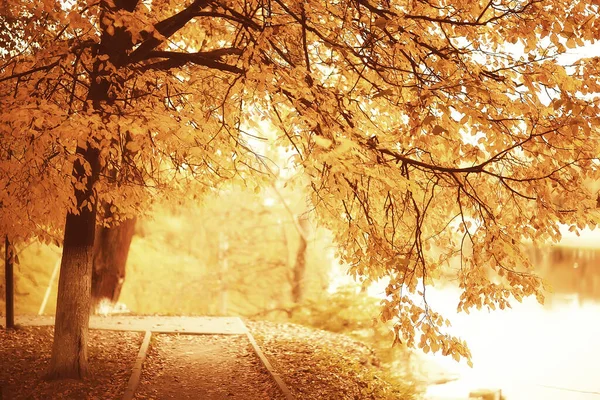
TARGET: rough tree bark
(111,249)
(69,350)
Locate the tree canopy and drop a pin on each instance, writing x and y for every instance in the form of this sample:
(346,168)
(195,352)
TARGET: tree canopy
(427,130)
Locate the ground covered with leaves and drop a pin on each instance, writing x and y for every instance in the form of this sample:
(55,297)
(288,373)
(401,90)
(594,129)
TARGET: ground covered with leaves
(314,364)
(207,367)
(25,354)
(317,364)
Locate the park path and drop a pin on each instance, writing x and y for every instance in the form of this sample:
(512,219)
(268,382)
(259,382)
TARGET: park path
(208,358)
(208,367)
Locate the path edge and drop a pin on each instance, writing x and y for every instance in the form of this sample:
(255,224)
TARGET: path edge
(136,372)
(282,386)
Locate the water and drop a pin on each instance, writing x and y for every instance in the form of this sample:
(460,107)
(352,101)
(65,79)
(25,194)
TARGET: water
(531,352)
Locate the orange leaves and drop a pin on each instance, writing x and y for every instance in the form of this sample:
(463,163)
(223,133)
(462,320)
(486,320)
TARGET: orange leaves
(322,142)
(438,130)
(423,328)
(133,146)
(430,144)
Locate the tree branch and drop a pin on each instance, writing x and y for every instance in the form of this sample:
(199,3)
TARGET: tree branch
(31,71)
(128,5)
(446,20)
(432,167)
(210,59)
(214,55)
(167,28)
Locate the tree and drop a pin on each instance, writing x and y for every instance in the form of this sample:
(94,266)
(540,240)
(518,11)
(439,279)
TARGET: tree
(423,127)
(83,122)
(300,262)
(114,232)
(10,285)
(111,248)
(69,350)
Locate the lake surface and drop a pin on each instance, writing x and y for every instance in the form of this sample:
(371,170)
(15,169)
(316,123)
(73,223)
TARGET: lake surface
(532,351)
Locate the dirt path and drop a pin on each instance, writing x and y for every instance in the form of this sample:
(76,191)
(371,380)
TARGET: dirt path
(208,367)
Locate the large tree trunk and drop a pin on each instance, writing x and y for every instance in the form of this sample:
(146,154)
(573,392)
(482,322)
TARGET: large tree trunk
(69,351)
(111,249)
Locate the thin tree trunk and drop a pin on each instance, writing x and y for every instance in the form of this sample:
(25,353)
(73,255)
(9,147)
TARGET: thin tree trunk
(224,267)
(111,249)
(300,264)
(69,350)
(10,284)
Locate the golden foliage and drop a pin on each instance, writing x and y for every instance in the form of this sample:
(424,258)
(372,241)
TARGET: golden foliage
(427,129)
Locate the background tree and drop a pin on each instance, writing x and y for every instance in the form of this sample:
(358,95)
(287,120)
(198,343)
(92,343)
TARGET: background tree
(413,121)
(182,239)
(111,248)
(114,232)
(299,270)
